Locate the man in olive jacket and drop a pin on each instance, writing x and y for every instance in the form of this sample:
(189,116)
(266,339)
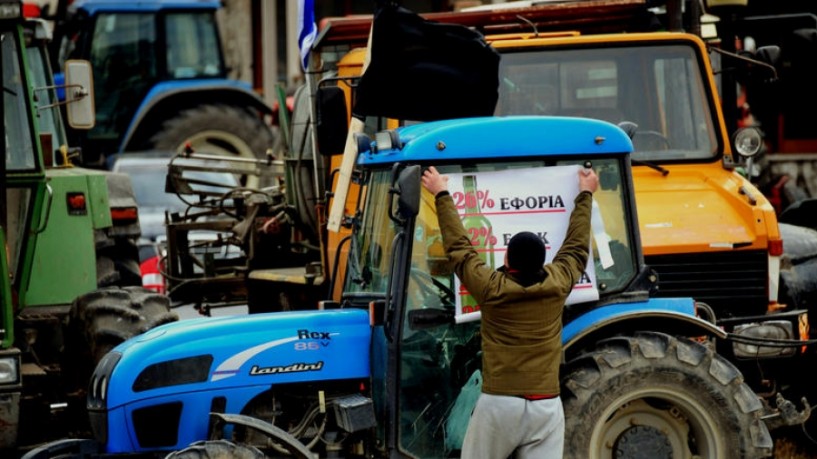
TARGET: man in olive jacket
(519,411)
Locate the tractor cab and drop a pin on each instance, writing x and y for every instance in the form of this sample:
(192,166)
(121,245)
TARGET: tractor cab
(521,177)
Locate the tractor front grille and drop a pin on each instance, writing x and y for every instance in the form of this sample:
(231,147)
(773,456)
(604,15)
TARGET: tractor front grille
(733,283)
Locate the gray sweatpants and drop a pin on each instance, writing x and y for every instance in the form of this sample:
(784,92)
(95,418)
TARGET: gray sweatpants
(503,426)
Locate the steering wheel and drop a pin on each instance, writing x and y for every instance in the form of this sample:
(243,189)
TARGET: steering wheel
(424,279)
(651,139)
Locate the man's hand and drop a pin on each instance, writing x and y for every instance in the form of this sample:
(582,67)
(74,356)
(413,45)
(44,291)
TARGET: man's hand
(588,180)
(433,181)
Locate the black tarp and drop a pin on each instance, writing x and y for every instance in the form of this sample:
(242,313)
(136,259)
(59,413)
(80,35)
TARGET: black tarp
(424,70)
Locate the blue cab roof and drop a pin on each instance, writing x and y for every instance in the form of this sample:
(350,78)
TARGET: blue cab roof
(94,6)
(506,137)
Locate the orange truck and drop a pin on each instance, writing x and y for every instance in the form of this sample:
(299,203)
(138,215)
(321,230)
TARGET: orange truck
(706,230)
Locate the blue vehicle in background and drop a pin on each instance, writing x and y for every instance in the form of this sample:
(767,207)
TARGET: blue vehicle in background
(160,80)
(388,370)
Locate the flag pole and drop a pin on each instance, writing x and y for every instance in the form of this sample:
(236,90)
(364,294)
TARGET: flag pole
(347,165)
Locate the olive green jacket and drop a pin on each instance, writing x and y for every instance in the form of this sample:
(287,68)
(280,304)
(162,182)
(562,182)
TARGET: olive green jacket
(521,326)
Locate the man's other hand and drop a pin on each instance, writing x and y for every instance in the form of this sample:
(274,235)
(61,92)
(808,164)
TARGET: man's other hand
(588,180)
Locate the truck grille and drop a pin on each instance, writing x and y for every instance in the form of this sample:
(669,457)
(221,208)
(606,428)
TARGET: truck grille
(733,283)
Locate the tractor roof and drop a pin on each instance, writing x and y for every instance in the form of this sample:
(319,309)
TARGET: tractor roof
(94,6)
(484,138)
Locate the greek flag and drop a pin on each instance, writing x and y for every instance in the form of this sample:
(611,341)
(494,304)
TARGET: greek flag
(307,30)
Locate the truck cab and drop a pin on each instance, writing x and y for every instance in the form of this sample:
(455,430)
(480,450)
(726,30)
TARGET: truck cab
(706,230)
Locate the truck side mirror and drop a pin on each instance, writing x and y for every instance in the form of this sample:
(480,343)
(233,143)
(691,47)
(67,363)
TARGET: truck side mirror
(79,94)
(332,123)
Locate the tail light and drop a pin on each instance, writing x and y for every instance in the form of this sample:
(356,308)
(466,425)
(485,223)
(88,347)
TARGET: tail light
(125,214)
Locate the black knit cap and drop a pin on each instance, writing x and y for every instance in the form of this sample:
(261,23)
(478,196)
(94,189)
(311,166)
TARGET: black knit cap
(526,252)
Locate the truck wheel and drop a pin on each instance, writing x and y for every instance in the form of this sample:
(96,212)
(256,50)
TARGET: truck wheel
(218,129)
(217,449)
(653,395)
(100,320)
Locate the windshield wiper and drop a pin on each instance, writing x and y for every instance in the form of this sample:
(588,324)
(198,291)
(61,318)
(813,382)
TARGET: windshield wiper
(651,165)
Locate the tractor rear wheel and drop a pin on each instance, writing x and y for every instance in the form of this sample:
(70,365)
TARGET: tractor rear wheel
(657,396)
(117,262)
(217,449)
(221,130)
(100,320)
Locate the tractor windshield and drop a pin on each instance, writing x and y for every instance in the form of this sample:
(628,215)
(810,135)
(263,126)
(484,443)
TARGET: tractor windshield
(17,122)
(659,88)
(123,50)
(438,365)
(193,49)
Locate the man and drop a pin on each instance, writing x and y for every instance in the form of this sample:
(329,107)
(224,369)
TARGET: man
(519,412)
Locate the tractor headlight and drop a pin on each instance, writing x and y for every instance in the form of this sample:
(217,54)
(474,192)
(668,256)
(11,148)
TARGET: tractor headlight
(9,370)
(772,330)
(748,141)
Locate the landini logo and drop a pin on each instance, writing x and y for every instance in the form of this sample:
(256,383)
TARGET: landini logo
(294,368)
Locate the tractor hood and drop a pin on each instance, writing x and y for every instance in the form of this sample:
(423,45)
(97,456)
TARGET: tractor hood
(211,354)
(698,208)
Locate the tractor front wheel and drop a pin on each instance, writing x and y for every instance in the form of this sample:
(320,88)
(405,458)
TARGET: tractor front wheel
(654,395)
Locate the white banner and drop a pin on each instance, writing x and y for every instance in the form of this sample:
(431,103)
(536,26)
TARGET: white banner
(498,204)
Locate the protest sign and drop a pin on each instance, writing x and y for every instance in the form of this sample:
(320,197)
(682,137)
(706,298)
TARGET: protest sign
(495,205)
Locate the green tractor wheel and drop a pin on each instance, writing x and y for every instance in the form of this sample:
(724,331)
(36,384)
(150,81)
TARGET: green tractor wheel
(117,262)
(100,320)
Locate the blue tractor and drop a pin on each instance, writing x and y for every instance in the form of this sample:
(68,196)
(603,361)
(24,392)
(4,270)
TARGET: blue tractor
(160,80)
(391,369)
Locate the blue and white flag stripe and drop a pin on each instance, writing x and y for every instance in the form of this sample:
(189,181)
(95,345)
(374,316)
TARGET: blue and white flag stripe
(307,30)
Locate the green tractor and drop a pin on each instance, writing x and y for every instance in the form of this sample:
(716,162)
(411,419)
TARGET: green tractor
(70,288)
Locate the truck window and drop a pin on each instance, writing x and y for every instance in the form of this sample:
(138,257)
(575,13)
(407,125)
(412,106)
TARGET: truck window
(657,87)
(20,154)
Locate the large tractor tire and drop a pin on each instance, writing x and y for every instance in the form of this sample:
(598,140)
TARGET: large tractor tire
(655,396)
(100,320)
(217,449)
(218,129)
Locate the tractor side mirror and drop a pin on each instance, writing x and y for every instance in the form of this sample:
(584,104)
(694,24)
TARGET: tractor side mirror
(408,201)
(79,94)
